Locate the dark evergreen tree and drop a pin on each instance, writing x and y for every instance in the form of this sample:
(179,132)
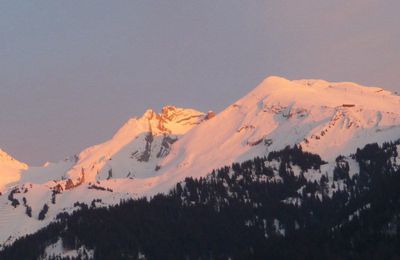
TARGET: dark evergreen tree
(43,212)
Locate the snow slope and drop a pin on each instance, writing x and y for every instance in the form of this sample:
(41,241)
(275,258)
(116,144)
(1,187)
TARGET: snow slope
(10,170)
(150,154)
(326,118)
(137,146)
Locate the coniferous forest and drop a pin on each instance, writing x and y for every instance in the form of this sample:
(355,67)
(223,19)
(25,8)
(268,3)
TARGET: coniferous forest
(265,208)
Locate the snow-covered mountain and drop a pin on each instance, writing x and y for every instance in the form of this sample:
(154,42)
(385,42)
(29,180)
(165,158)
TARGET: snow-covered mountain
(328,119)
(150,154)
(131,153)
(10,170)
(137,147)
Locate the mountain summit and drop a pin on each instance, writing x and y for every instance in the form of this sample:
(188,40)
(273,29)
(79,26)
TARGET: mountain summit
(10,169)
(140,143)
(323,117)
(152,153)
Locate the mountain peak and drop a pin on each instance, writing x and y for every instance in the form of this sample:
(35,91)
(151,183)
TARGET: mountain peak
(10,169)
(5,157)
(168,112)
(139,140)
(308,93)
(275,79)
(151,153)
(149,114)
(172,120)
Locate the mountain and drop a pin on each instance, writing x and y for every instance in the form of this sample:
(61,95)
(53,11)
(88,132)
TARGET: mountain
(149,155)
(10,170)
(137,147)
(325,118)
(264,208)
(133,151)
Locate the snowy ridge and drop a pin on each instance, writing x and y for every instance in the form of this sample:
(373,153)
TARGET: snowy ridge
(152,153)
(142,140)
(10,170)
(325,118)
(134,150)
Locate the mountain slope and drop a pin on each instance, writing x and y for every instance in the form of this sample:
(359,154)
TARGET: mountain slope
(134,150)
(10,170)
(325,118)
(137,146)
(265,208)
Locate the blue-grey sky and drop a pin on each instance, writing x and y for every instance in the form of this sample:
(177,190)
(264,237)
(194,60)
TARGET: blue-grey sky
(72,72)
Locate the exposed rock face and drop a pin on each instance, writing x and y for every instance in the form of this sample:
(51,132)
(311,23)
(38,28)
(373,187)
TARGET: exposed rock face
(144,140)
(166,145)
(145,156)
(210,115)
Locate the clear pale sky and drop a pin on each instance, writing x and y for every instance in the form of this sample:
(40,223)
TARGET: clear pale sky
(72,72)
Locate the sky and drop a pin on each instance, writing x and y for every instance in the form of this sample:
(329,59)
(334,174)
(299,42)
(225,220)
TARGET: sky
(72,72)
